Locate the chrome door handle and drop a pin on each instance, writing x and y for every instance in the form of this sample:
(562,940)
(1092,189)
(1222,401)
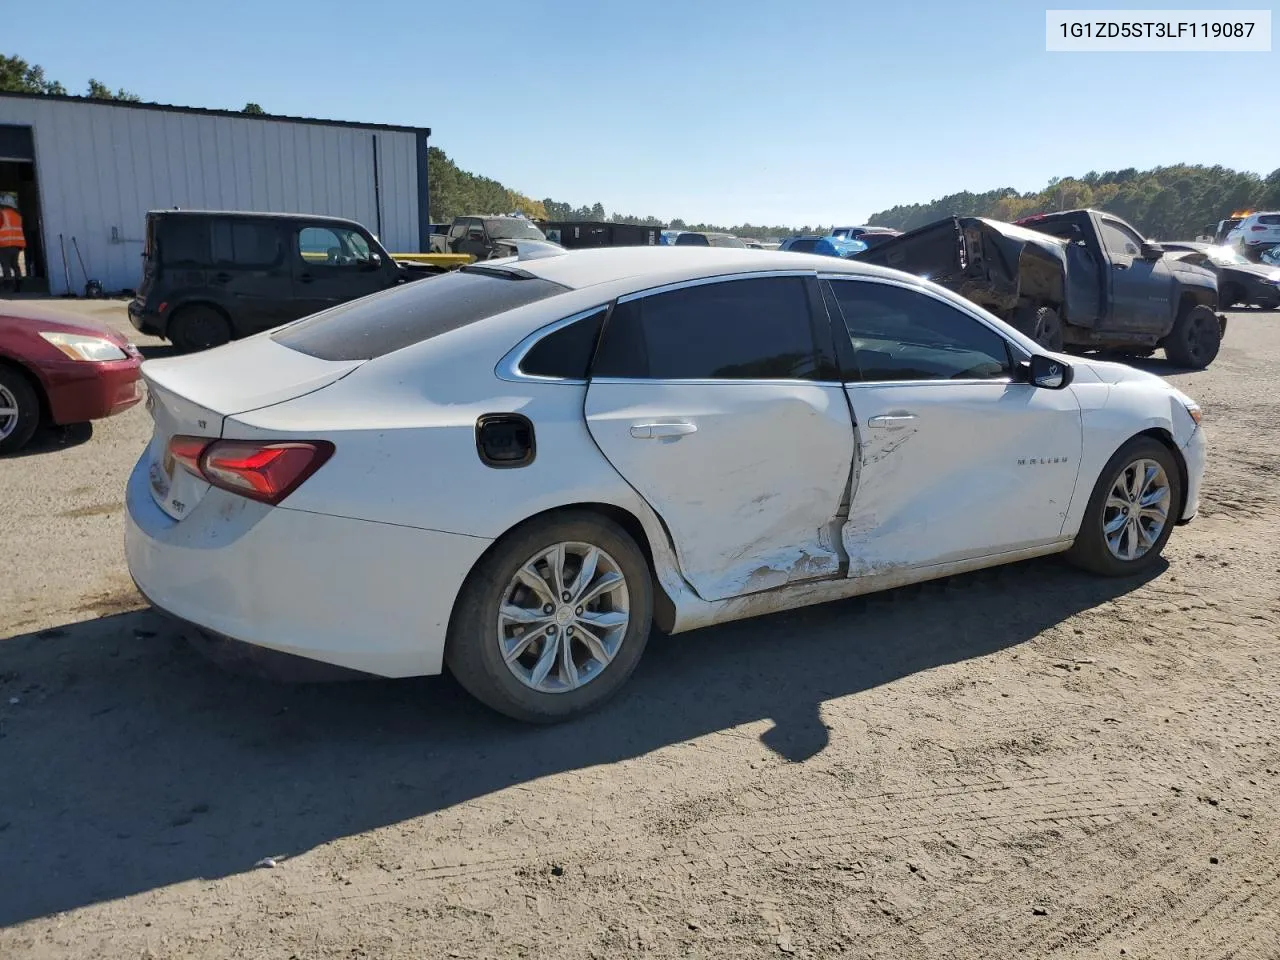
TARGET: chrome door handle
(891,421)
(659,431)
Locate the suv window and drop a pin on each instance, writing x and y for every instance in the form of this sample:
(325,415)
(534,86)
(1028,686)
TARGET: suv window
(182,241)
(1119,239)
(692,240)
(332,246)
(902,334)
(1270,219)
(405,315)
(244,243)
(803,245)
(755,329)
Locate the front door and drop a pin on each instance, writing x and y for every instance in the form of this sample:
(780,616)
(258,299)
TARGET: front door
(956,459)
(710,400)
(1141,290)
(332,264)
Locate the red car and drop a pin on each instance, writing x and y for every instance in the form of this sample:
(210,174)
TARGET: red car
(56,367)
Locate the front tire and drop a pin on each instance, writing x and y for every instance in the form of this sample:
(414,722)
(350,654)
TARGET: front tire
(553,620)
(1195,338)
(1131,512)
(19,410)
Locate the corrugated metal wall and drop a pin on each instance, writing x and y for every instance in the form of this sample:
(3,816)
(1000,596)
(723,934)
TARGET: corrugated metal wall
(101,167)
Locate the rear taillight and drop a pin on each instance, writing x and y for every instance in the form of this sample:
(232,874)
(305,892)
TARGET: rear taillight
(1256,228)
(267,472)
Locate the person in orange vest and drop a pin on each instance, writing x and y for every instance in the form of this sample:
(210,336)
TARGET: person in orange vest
(12,240)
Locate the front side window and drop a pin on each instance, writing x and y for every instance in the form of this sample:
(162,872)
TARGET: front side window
(332,246)
(903,334)
(752,329)
(1120,240)
(244,244)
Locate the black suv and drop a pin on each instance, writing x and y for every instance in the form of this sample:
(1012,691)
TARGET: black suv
(213,276)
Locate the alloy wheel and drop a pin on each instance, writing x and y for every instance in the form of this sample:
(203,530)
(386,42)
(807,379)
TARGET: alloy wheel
(8,412)
(1137,510)
(563,617)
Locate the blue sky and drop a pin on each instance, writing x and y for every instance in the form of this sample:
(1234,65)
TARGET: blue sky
(753,110)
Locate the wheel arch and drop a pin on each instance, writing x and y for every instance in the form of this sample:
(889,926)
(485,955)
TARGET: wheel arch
(663,604)
(42,396)
(200,301)
(1165,438)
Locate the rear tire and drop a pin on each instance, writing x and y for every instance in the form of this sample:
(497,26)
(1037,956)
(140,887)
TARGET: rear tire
(1195,338)
(198,328)
(1103,540)
(497,658)
(1041,324)
(19,409)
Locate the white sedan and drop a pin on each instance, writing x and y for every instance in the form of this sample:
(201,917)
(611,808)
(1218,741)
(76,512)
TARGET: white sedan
(516,468)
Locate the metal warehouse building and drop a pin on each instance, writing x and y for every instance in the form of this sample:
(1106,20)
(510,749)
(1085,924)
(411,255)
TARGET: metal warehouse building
(85,172)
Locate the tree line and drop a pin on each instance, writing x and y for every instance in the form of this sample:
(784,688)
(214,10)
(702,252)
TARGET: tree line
(1166,203)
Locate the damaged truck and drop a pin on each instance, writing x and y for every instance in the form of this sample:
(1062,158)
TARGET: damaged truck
(1075,280)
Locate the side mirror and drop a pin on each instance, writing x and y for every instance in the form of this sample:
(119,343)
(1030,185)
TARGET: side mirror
(1151,251)
(1047,373)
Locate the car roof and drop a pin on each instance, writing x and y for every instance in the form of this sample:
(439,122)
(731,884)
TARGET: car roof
(657,264)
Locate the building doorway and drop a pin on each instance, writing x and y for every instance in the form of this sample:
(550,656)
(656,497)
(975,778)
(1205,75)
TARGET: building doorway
(18,180)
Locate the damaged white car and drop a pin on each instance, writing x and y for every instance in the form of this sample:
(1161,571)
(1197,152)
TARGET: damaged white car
(516,468)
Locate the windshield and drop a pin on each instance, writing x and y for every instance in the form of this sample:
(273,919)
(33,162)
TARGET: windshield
(1226,256)
(513,230)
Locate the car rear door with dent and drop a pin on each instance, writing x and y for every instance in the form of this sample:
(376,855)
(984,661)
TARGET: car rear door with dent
(714,400)
(957,459)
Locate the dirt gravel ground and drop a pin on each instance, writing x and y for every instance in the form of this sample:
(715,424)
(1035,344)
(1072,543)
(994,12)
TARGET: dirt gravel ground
(1024,762)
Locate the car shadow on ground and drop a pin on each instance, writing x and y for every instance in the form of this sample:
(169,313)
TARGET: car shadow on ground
(130,762)
(52,439)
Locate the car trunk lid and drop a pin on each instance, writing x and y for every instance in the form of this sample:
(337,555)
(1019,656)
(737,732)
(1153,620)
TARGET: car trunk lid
(194,395)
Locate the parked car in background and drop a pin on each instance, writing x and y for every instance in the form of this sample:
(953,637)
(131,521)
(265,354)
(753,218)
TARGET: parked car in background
(849,233)
(1255,233)
(209,277)
(1239,279)
(1271,256)
(60,368)
(828,245)
(488,237)
(1224,227)
(483,471)
(689,238)
(805,244)
(1083,279)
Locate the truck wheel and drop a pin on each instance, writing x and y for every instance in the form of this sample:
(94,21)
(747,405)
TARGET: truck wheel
(1041,324)
(198,328)
(1195,338)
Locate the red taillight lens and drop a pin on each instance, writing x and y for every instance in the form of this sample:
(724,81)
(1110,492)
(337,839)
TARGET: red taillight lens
(268,472)
(186,451)
(1256,229)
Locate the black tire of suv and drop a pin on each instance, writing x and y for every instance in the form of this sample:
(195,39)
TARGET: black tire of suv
(1090,552)
(1195,338)
(1041,324)
(471,649)
(17,385)
(198,328)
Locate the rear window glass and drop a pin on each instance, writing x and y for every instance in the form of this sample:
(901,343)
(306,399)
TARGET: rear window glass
(691,240)
(803,246)
(1271,219)
(395,319)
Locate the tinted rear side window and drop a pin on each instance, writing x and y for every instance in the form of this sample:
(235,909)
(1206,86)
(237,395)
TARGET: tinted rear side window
(803,246)
(756,329)
(183,241)
(566,353)
(242,243)
(1270,219)
(386,322)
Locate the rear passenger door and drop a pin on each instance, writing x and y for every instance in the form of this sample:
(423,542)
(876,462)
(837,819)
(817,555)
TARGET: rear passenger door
(250,272)
(715,402)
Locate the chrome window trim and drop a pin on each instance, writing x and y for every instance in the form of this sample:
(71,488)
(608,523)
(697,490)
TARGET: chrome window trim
(1015,348)
(508,368)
